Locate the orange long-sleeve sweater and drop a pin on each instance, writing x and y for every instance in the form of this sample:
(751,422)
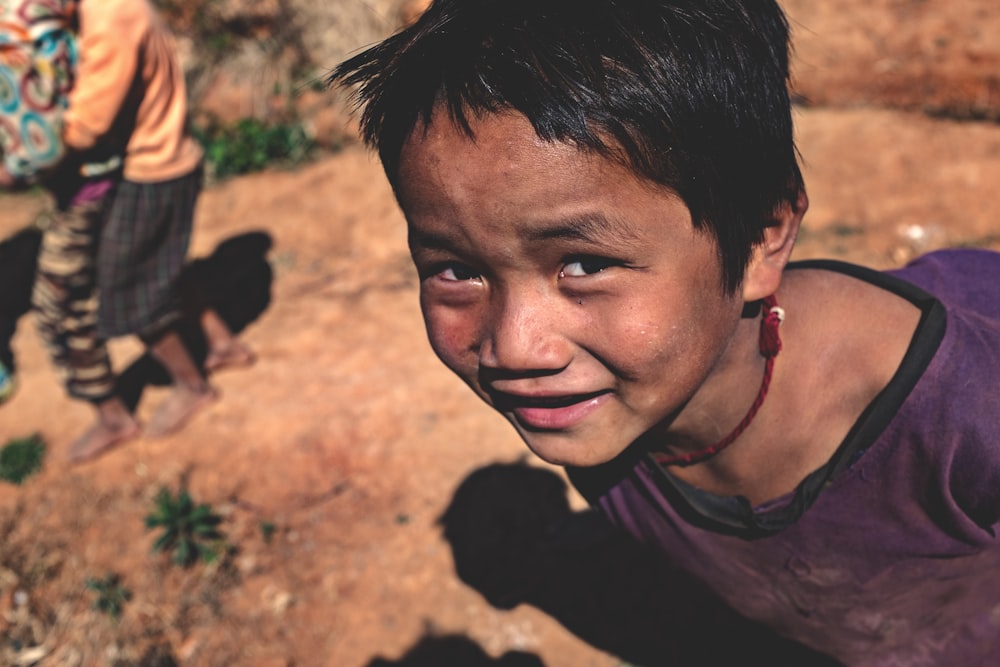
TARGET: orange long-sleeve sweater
(130,89)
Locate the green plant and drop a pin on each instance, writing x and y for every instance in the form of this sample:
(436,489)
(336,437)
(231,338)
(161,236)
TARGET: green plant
(111,594)
(267,529)
(250,145)
(189,531)
(21,458)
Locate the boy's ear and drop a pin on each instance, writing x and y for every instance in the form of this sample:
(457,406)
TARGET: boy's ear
(767,263)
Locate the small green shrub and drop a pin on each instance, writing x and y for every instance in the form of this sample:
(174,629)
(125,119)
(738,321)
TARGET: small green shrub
(21,458)
(111,594)
(189,531)
(267,530)
(250,145)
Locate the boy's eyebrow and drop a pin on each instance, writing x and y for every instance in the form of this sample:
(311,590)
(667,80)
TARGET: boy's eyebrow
(589,227)
(429,240)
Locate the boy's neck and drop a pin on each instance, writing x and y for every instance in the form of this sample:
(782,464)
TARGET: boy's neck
(835,361)
(723,399)
(769,345)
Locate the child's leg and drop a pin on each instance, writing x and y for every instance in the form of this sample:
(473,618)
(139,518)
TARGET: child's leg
(141,256)
(65,302)
(191,392)
(224,349)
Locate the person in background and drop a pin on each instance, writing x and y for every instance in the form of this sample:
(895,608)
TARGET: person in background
(38,59)
(130,96)
(125,181)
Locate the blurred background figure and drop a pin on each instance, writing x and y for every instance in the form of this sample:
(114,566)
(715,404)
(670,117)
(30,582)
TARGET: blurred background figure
(130,99)
(37,59)
(113,147)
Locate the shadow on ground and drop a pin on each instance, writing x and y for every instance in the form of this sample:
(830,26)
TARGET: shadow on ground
(235,280)
(18,259)
(516,540)
(447,650)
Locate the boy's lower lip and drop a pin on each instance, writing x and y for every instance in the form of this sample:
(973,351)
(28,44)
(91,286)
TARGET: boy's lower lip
(558,417)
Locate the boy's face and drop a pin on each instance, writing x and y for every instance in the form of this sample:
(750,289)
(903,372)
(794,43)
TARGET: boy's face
(577,300)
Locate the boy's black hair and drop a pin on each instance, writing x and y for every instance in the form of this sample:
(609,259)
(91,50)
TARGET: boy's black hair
(691,94)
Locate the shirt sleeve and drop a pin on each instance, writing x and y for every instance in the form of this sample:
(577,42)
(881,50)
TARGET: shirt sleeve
(109,59)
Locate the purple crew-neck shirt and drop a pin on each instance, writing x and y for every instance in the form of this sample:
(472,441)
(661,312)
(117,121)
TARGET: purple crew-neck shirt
(889,554)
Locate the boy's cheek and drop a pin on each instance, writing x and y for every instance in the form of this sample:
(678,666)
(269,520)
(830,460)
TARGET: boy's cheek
(453,341)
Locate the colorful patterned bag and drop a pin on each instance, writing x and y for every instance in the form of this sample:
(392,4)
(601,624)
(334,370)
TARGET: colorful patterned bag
(37,60)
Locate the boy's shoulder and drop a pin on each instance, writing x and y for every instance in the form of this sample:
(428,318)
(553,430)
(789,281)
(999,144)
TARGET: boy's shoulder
(962,278)
(951,296)
(951,419)
(950,416)
(966,368)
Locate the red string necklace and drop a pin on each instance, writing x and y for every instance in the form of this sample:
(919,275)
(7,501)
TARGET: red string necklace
(769,342)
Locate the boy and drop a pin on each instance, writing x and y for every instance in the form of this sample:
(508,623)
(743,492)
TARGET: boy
(602,199)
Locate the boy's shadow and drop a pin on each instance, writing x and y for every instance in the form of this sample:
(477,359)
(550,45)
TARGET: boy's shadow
(455,651)
(515,539)
(235,281)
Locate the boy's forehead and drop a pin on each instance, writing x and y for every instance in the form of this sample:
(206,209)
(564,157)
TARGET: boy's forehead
(441,161)
(504,145)
(505,181)
(501,134)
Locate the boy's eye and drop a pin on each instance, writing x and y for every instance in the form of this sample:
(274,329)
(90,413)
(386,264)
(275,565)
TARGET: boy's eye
(455,273)
(585,266)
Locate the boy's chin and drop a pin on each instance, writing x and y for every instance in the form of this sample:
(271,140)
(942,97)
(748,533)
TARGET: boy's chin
(564,450)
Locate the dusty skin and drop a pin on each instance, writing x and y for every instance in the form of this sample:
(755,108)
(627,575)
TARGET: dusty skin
(333,456)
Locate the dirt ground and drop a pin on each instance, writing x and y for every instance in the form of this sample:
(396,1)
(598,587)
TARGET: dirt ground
(333,459)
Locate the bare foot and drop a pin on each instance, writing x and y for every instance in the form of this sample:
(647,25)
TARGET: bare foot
(100,438)
(234,354)
(177,409)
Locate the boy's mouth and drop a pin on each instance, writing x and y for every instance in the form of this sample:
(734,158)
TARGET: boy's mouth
(549,412)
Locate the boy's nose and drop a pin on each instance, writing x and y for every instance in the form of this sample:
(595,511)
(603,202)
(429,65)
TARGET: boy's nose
(525,335)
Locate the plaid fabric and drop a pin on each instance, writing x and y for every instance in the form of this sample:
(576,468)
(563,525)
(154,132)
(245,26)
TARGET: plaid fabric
(142,250)
(65,300)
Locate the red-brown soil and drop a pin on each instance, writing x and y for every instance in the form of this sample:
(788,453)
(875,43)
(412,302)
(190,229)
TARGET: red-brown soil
(350,438)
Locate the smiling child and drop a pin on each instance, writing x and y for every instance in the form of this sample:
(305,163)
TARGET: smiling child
(602,198)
